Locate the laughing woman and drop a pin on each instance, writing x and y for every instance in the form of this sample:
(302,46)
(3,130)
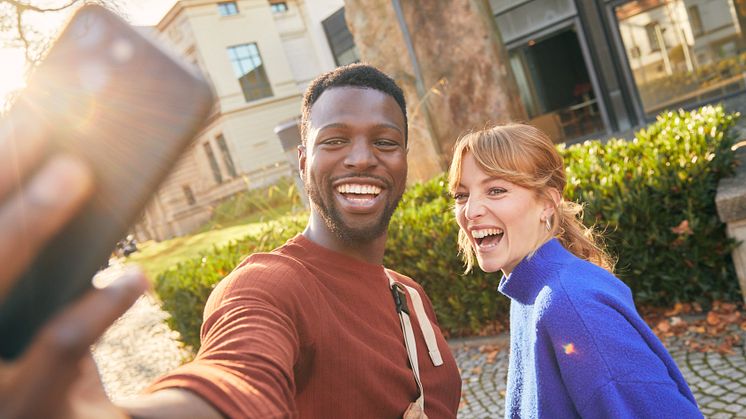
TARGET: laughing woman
(578,347)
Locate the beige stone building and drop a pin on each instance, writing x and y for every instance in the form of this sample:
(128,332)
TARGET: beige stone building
(258,55)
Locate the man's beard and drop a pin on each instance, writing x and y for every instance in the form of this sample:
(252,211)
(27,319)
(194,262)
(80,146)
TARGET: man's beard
(333,218)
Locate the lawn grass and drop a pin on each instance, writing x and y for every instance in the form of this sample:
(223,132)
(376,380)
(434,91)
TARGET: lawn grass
(156,257)
(256,217)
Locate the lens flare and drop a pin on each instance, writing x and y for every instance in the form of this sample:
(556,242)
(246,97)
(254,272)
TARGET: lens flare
(569,349)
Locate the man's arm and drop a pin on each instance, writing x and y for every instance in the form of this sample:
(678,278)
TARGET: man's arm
(41,381)
(170,403)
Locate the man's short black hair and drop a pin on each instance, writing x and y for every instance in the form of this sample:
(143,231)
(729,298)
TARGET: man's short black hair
(354,75)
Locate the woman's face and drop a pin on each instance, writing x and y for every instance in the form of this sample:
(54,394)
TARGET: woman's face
(503,221)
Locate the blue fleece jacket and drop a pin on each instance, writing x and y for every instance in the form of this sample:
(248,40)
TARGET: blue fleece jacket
(580,349)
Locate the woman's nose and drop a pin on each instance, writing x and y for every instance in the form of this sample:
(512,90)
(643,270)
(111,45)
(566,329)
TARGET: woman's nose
(473,209)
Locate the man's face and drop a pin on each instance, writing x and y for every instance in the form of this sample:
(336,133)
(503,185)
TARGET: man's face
(355,162)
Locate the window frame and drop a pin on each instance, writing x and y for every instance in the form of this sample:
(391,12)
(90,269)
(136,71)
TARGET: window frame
(214,166)
(258,88)
(226,153)
(224,8)
(278,3)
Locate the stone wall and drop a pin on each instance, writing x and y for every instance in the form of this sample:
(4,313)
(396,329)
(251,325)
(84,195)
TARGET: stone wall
(731,193)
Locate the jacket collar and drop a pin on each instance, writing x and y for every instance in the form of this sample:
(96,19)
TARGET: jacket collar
(533,273)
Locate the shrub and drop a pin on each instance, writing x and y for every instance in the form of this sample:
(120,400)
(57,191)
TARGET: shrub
(653,196)
(184,288)
(272,201)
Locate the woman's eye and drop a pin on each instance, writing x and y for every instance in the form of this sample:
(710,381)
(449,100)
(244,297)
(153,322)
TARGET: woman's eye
(496,191)
(459,197)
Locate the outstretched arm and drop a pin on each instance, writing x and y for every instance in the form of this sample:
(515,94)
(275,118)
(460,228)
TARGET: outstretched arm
(41,382)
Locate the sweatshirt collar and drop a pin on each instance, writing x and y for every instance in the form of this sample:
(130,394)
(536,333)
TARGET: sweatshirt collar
(532,273)
(335,260)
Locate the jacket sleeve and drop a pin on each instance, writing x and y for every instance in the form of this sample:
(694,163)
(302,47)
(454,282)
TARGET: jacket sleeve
(610,362)
(250,344)
(637,399)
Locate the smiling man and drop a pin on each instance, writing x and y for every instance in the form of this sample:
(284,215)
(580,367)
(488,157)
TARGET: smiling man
(312,329)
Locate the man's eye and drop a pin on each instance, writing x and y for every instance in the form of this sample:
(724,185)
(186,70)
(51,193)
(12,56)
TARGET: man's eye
(333,141)
(387,143)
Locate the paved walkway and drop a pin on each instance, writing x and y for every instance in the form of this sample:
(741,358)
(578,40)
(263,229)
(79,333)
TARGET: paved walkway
(717,381)
(139,347)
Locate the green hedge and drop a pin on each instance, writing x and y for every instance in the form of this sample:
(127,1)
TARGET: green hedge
(640,191)
(637,191)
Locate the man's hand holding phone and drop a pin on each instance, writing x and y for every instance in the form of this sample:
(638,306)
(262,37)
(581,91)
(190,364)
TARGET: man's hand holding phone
(38,383)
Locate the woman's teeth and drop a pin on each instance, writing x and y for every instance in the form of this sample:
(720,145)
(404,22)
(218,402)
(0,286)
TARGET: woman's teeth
(487,236)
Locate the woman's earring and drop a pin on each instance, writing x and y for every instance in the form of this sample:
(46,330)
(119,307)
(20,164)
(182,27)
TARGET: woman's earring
(548,224)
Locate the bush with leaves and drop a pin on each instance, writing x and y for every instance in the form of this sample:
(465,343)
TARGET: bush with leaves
(653,196)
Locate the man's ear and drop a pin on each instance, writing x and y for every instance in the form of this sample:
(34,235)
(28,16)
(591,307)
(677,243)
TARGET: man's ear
(302,159)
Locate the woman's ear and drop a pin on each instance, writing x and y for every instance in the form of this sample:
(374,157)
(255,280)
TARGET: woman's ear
(555,197)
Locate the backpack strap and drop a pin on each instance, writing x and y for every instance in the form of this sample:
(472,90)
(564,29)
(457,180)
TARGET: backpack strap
(398,290)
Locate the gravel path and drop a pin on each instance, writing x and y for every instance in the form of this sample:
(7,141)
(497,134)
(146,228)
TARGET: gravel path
(137,348)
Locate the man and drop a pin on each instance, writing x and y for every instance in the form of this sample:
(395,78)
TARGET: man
(312,329)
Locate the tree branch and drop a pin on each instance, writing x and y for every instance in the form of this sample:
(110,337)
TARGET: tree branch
(22,34)
(22,7)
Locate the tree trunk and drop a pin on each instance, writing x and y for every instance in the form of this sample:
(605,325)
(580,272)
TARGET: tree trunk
(465,77)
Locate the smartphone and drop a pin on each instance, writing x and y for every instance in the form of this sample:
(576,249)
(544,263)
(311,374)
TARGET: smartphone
(111,96)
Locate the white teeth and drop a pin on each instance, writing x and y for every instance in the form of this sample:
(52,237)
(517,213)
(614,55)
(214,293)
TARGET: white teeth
(355,188)
(479,234)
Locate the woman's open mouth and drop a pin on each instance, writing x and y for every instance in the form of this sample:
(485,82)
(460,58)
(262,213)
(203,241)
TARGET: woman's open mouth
(487,237)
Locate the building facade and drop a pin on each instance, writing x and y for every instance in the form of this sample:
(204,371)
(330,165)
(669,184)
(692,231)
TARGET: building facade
(584,69)
(258,56)
(594,68)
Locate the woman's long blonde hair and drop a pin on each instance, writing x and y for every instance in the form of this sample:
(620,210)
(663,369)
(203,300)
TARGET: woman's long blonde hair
(525,156)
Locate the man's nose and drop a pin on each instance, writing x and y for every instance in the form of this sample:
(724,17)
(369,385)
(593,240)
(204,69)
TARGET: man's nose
(361,156)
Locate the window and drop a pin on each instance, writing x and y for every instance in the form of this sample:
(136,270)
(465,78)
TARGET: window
(188,195)
(634,52)
(278,6)
(340,38)
(226,155)
(213,163)
(695,20)
(652,29)
(688,68)
(248,67)
(227,8)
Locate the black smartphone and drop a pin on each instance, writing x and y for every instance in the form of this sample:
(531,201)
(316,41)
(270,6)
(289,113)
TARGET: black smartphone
(114,98)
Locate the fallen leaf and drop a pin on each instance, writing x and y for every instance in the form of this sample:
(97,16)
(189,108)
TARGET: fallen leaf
(676,310)
(663,326)
(731,317)
(728,307)
(683,228)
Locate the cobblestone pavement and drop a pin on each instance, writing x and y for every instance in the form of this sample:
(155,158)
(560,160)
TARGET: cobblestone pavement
(717,381)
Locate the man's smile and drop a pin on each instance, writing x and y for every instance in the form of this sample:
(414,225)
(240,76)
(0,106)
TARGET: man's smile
(358,197)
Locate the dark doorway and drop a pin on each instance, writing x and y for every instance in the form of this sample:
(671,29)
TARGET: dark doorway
(555,86)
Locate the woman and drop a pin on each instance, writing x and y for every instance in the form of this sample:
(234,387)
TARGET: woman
(578,346)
